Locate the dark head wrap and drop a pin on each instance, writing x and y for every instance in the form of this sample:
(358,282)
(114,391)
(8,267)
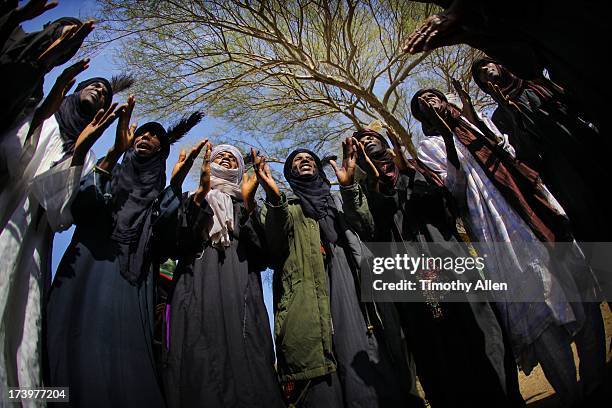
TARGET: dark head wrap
(314,194)
(103,81)
(136,183)
(512,86)
(22,73)
(360,134)
(383,159)
(415,106)
(386,165)
(73,117)
(174,133)
(518,183)
(418,114)
(157,129)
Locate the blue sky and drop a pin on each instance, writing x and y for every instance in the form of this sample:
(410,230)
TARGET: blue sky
(103,65)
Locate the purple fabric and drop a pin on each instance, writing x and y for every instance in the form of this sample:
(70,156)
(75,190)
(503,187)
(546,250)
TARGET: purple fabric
(167,327)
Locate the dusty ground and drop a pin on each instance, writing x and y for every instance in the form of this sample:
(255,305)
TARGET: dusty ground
(537,391)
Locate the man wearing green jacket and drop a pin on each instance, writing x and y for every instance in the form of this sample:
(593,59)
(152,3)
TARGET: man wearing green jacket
(332,350)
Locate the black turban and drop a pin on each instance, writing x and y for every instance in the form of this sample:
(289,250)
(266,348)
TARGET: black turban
(314,194)
(73,117)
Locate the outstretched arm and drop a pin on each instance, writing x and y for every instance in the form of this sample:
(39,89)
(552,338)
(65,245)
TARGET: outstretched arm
(52,102)
(92,133)
(275,214)
(124,136)
(17,15)
(354,202)
(180,223)
(439,30)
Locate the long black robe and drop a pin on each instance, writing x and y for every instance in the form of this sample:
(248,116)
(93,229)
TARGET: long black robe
(99,326)
(564,149)
(373,365)
(458,348)
(220,352)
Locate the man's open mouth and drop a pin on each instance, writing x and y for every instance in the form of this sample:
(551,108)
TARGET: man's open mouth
(143,145)
(370,146)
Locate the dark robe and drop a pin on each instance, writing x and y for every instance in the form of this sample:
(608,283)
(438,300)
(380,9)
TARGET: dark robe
(99,326)
(372,363)
(458,348)
(220,351)
(528,36)
(563,148)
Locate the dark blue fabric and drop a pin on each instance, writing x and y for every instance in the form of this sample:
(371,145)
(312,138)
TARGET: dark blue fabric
(99,335)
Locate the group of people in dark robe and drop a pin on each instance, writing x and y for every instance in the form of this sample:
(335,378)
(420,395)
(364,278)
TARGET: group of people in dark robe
(44,152)
(530,173)
(118,333)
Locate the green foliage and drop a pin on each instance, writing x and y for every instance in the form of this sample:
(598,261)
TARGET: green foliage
(284,72)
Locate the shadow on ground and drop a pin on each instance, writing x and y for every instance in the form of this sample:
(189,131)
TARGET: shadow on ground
(602,401)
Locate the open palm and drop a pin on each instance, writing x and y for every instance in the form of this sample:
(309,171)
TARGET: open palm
(125,132)
(346,173)
(264,176)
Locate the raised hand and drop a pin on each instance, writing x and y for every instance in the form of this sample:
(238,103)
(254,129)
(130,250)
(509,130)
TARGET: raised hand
(124,135)
(92,133)
(500,97)
(249,187)
(264,177)
(346,173)
(498,94)
(468,109)
(184,164)
(204,186)
(366,163)
(438,30)
(67,45)
(32,9)
(398,158)
(62,85)
(463,95)
(125,132)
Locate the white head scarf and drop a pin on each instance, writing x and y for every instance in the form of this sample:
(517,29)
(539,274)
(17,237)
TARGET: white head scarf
(226,180)
(225,184)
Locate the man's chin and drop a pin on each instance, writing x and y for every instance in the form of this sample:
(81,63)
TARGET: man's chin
(372,150)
